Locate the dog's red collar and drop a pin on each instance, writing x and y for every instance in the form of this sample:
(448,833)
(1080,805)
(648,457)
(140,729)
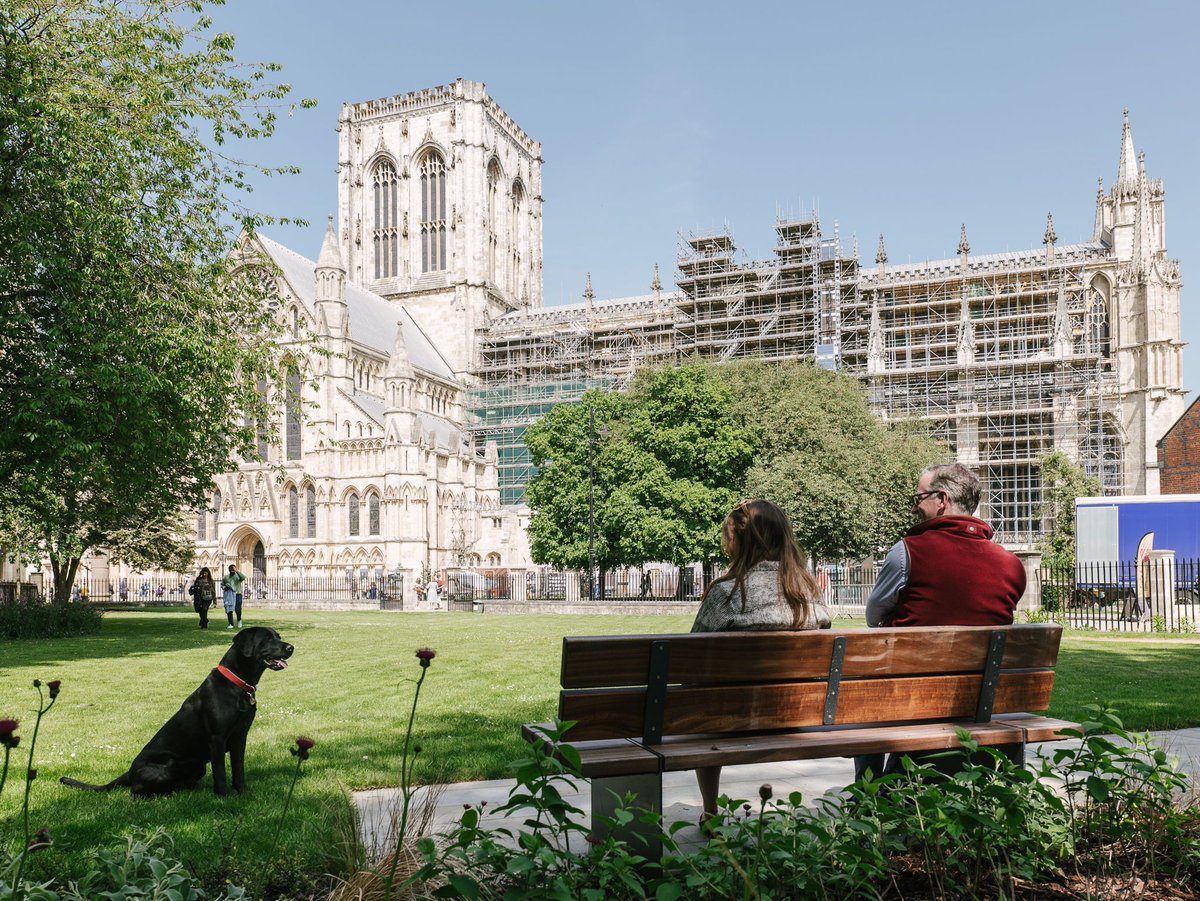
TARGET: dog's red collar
(237,680)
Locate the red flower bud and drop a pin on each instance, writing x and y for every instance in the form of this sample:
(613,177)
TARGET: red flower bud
(7,728)
(305,744)
(54,686)
(765,792)
(425,655)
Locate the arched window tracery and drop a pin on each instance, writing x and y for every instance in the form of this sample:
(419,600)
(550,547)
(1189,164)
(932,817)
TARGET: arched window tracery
(385,235)
(352,524)
(433,212)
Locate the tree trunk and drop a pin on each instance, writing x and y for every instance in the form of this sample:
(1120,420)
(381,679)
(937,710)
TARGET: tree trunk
(64,577)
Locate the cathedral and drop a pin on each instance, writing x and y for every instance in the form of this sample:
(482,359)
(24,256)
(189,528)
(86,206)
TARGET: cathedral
(376,480)
(419,349)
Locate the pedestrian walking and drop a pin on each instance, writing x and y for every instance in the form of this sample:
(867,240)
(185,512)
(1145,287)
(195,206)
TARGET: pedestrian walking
(231,596)
(204,594)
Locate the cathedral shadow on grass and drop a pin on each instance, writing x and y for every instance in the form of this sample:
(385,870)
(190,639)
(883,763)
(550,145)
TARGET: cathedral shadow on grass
(151,632)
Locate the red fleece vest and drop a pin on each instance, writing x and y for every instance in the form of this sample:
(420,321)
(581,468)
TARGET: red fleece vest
(957,576)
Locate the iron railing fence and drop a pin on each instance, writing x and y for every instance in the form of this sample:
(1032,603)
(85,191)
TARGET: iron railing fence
(1160,594)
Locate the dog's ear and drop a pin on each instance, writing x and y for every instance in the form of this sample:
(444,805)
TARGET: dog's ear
(244,644)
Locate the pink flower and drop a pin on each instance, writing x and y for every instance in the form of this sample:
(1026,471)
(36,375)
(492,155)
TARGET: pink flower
(7,728)
(425,655)
(54,686)
(303,746)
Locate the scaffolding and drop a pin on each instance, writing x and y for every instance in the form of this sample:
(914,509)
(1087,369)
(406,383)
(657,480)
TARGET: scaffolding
(1004,357)
(532,360)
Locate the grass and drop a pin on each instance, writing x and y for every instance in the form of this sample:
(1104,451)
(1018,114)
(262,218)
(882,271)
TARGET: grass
(349,687)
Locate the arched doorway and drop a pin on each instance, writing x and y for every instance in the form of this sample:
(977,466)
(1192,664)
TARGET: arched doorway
(245,548)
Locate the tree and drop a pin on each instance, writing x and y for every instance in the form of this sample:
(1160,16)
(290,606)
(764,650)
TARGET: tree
(665,473)
(1062,483)
(128,360)
(843,475)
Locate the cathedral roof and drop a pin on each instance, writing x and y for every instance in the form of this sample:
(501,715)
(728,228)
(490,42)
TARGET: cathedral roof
(372,318)
(371,405)
(985,263)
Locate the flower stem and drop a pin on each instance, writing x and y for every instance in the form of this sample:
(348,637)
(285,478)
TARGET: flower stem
(405,791)
(287,802)
(18,888)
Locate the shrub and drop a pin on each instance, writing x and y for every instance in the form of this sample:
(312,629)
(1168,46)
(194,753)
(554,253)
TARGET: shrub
(43,619)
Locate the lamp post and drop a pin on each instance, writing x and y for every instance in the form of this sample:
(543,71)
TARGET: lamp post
(591,580)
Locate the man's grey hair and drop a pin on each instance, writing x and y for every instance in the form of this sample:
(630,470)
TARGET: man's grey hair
(959,483)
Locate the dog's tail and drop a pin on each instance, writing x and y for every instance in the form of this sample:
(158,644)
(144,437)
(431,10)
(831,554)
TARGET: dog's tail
(119,782)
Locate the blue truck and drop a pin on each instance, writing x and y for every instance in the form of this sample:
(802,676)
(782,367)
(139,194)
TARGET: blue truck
(1114,534)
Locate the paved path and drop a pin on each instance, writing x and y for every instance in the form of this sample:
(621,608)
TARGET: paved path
(681,798)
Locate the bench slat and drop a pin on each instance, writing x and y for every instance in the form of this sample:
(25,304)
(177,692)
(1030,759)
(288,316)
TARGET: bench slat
(618,713)
(595,662)
(687,754)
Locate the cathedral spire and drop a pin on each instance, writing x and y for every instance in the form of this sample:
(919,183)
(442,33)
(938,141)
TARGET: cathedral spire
(1127,170)
(331,255)
(1098,223)
(656,284)
(399,363)
(1143,250)
(1049,238)
(964,249)
(588,296)
(881,253)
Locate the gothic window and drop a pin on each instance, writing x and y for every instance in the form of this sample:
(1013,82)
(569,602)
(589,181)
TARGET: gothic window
(385,237)
(295,323)
(352,524)
(293,500)
(433,212)
(216,507)
(493,210)
(262,425)
(1098,334)
(292,413)
(310,511)
(515,236)
(373,513)
(201,524)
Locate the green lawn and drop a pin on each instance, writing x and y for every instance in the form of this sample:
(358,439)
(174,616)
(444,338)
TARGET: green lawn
(349,687)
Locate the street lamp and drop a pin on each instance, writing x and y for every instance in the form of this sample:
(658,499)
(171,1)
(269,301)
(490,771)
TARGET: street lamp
(591,580)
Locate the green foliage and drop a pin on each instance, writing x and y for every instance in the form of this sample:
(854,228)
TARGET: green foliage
(666,465)
(990,828)
(127,357)
(1062,482)
(843,475)
(47,620)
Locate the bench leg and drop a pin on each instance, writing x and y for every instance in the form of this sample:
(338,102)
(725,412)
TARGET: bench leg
(609,793)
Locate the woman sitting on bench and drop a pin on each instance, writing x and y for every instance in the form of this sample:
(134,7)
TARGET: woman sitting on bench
(766,588)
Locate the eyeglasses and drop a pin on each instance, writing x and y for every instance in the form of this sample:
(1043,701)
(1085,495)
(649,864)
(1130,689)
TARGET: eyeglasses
(917,498)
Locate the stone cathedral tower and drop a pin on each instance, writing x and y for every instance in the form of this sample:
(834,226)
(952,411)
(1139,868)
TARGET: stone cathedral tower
(440,210)
(1129,219)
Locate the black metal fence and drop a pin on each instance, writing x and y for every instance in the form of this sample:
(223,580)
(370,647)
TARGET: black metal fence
(1160,594)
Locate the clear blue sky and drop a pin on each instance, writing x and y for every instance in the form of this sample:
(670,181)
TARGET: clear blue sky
(655,119)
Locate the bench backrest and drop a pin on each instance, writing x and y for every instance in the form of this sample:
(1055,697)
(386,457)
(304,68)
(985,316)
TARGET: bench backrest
(652,686)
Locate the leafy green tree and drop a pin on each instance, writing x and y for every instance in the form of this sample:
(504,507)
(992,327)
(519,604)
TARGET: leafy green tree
(1062,482)
(665,471)
(128,360)
(843,475)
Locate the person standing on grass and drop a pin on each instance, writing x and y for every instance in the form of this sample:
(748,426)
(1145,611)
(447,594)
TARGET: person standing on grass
(203,593)
(231,591)
(766,588)
(946,571)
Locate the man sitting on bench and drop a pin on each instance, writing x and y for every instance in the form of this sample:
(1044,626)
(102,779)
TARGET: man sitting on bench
(946,571)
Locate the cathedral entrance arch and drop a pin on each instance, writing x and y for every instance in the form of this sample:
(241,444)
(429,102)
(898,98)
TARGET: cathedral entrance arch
(245,548)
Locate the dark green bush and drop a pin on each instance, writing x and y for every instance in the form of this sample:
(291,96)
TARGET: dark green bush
(47,620)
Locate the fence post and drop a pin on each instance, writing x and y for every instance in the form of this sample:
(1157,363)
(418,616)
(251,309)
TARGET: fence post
(1032,598)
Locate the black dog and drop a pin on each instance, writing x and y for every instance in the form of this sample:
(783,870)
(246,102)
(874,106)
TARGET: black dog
(213,721)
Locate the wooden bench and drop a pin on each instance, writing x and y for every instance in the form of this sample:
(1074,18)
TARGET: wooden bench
(645,705)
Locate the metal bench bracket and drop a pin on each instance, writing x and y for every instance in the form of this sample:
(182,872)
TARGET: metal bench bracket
(834,685)
(656,692)
(991,677)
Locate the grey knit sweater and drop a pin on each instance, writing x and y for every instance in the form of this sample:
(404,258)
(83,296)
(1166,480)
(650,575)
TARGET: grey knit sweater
(766,610)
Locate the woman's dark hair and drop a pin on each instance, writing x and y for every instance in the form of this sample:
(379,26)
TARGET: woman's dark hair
(758,530)
(204,573)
